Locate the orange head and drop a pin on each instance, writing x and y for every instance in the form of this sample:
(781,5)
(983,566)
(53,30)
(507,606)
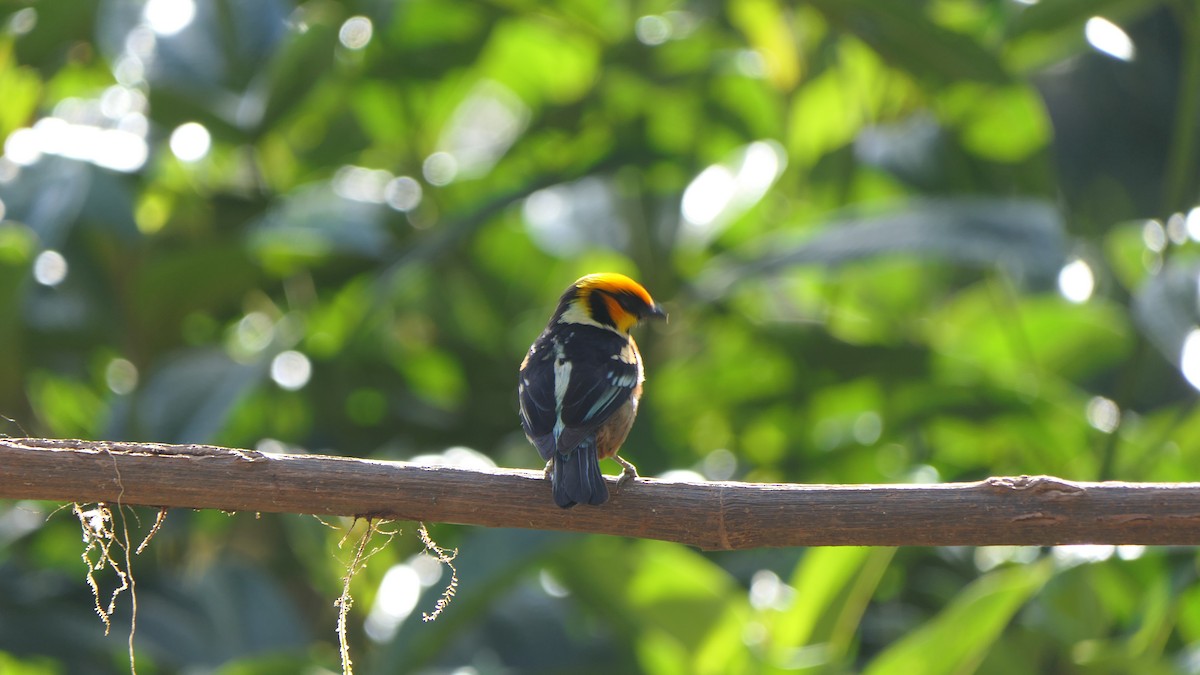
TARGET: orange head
(607,299)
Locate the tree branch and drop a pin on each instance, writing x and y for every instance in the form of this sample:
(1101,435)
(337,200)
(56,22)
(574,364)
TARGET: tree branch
(1036,510)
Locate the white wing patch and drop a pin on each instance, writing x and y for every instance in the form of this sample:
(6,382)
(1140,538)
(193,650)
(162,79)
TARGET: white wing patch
(626,381)
(562,377)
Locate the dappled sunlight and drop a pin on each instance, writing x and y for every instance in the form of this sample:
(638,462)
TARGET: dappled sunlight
(377,186)
(768,591)
(482,128)
(987,558)
(109,147)
(395,600)
(681,476)
(1108,38)
(1082,554)
(398,594)
(168,17)
(362,184)
(568,219)
(722,192)
(551,585)
(1192,223)
(459,456)
(1189,358)
(18,519)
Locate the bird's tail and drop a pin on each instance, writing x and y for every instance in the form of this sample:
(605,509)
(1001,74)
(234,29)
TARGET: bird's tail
(577,478)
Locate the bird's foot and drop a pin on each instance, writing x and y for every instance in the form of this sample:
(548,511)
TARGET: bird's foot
(628,473)
(549,470)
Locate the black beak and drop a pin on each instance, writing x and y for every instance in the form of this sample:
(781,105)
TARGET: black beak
(658,312)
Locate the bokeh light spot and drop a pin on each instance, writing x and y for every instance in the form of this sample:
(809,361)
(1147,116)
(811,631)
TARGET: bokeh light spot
(1192,223)
(1108,38)
(168,17)
(868,428)
(291,370)
(551,585)
(440,168)
(50,268)
(190,142)
(1154,235)
(402,193)
(1189,358)
(720,464)
(121,376)
(23,21)
(21,147)
(394,601)
(768,591)
(708,194)
(652,30)
(1103,414)
(356,32)
(1076,282)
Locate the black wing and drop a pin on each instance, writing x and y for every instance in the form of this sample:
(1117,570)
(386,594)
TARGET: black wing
(535,389)
(601,382)
(604,372)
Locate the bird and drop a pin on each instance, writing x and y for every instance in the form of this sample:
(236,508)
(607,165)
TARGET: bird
(580,383)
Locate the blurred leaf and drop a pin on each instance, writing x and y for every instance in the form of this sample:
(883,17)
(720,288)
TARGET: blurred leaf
(1126,253)
(1166,308)
(658,653)
(832,106)
(21,87)
(49,196)
(17,243)
(1024,236)
(956,639)
(540,61)
(200,277)
(313,223)
(766,28)
(905,37)
(35,666)
(1054,15)
(489,561)
(59,23)
(677,589)
(823,578)
(1004,124)
(70,409)
(294,70)
(227,611)
(1014,339)
(188,398)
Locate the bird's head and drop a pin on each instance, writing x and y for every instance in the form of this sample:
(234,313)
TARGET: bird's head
(608,299)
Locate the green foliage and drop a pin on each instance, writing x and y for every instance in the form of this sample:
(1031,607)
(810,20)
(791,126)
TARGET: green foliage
(899,241)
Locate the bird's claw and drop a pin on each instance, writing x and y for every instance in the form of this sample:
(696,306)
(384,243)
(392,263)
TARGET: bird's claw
(627,474)
(549,470)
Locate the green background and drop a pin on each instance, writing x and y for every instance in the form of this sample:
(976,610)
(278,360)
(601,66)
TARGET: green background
(858,213)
